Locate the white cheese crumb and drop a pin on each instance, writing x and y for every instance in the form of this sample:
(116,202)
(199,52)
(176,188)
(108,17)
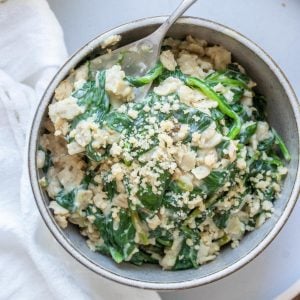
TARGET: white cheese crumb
(110,41)
(168,60)
(201,172)
(40,159)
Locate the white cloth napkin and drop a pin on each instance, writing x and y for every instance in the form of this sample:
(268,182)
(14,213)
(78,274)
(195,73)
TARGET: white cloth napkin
(32,264)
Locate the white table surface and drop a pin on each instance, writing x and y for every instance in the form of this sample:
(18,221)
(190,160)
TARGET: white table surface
(272,24)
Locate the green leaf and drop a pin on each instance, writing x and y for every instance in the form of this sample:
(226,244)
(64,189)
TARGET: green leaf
(66,200)
(48,161)
(221,218)
(147,78)
(259,102)
(222,147)
(223,106)
(230,77)
(118,121)
(267,144)
(119,241)
(163,237)
(109,187)
(213,182)
(88,179)
(187,257)
(283,148)
(141,257)
(247,132)
(176,73)
(150,199)
(197,120)
(95,155)
(93,96)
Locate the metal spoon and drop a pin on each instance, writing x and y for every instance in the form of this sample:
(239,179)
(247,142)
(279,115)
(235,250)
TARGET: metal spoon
(140,56)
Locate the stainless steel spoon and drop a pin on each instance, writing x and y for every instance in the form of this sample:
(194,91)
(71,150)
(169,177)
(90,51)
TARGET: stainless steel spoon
(140,56)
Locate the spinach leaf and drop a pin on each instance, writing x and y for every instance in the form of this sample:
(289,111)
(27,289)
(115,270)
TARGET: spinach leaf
(93,96)
(187,257)
(223,105)
(140,227)
(118,121)
(267,144)
(283,148)
(147,78)
(95,155)
(261,166)
(221,218)
(162,236)
(213,182)
(259,102)
(197,120)
(239,109)
(247,132)
(141,257)
(216,114)
(66,200)
(48,161)
(110,187)
(222,147)
(150,199)
(176,73)
(119,241)
(87,179)
(229,77)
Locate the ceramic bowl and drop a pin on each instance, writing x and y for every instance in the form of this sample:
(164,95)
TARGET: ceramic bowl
(283,114)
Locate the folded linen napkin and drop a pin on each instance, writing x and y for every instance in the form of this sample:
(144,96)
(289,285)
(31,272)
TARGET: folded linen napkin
(33,265)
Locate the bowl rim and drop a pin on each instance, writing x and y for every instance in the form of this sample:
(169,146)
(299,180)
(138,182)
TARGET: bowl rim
(34,134)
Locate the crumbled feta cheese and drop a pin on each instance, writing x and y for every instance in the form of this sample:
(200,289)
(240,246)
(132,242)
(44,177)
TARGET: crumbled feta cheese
(116,85)
(220,56)
(133,113)
(40,159)
(65,109)
(188,64)
(115,150)
(83,198)
(117,171)
(168,60)
(201,172)
(64,90)
(111,41)
(154,222)
(188,161)
(168,86)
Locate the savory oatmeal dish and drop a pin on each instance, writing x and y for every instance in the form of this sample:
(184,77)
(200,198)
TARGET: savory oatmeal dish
(169,179)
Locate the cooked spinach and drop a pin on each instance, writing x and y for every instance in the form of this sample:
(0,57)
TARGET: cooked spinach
(119,122)
(48,161)
(150,199)
(187,257)
(247,132)
(283,148)
(229,77)
(95,155)
(119,241)
(222,104)
(66,199)
(93,97)
(147,78)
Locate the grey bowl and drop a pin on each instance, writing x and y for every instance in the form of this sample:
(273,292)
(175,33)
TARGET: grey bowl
(283,112)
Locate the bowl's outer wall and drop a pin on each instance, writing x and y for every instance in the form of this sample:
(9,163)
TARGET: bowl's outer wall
(282,113)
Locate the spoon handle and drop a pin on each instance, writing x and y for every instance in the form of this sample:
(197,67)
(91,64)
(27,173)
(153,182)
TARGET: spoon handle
(162,30)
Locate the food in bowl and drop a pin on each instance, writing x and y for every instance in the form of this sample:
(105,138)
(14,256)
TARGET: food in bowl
(169,179)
